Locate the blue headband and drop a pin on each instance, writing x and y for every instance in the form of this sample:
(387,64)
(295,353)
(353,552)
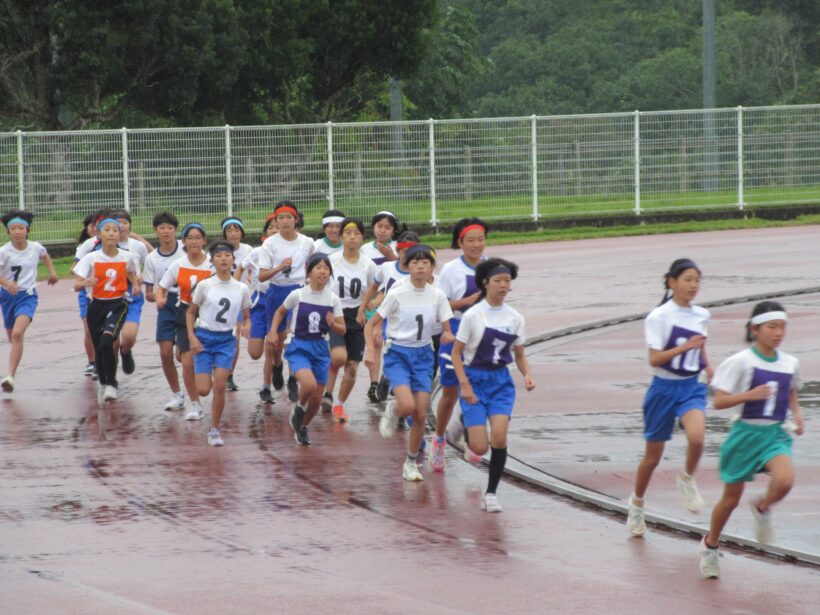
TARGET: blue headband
(221,247)
(106,221)
(681,267)
(17,221)
(192,225)
(498,270)
(230,221)
(419,252)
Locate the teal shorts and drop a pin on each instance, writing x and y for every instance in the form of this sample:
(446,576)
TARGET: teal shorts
(748,449)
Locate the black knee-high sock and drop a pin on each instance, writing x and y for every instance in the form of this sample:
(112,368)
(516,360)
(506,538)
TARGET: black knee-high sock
(498,459)
(107,360)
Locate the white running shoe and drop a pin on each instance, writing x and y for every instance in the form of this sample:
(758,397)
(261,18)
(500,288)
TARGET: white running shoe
(100,394)
(177,402)
(490,503)
(214,437)
(763,524)
(410,471)
(7,383)
(195,412)
(689,489)
(111,393)
(709,565)
(635,521)
(388,424)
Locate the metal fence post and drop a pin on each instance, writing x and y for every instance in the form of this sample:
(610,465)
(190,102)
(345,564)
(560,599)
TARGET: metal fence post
(228,174)
(740,157)
(126,192)
(637,139)
(21,186)
(432,149)
(534,146)
(330,197)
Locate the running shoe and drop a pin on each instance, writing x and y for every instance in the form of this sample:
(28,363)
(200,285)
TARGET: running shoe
(339,414)
(689,489)
(709,565)
(635,521)
(302,436)
(7,384)
(90,370)
(231,385)
(437,454)
(195,413)
(128,365)
(177,402)
(490,503)
(297,417)
(214,437)
(278,377)
(373,393)
(469,455)
(293,389)
(402,423)
(389,421)
(327,402)
(111,393)
(265,395)
(384,388)
(410,471)
(763,524)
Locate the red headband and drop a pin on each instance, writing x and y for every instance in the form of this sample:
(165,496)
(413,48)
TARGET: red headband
(270,217)
(286,210)
(471,227)
(403,245)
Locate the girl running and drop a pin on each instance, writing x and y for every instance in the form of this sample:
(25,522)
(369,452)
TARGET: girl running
(490,335)
(184,274)
(411,310)
(316,312)
(352,273)
(329,240)
(156,264)
(18,278)
(107,272)
(457,281)
(760,386)
(676,337)
(89,231)
(283,263)
(233,231)
(216,304)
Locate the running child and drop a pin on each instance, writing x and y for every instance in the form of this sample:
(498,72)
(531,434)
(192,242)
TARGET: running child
(107,272)
(89,231)
(233,231)
(184,274)
(18,278)
(156,264)
(759,385)
(216,304)
(352,273)
(491,336)
(316,311)
(411,310)
(676,336)
(329,240)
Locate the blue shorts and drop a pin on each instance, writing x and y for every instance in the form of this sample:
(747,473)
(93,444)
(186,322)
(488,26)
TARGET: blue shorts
(24,303)
(495,390)
(260,325)
(448,374)
(218,350)
(166,320)
(408,366)
(135,308)
(667,401)
(275,297)
(309,354)
(82,301)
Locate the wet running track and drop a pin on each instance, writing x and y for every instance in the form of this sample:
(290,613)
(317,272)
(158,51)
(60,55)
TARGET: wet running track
(129,511)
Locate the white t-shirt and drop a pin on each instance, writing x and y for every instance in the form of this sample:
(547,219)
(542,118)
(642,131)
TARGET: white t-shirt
(457,281)
(220,303)
(670,325)
(388,274)
(489,333)
(278,249)
(370,250)
(240,254)
(323,246)
(310,309)
(157,263)
(412,313)
(251,264)
(746,370)
(21,265)
(351,280)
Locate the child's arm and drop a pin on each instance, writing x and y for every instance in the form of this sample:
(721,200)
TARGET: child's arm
(190,319)
(371,292)
(710,372)
(10,286)
(52,273)
(447,336)
(725,400)
(524,367)
(246,323)
(467,392)
(273,335)
(80,282)
(136,283)
(657,358)
(794,406)
(142,240)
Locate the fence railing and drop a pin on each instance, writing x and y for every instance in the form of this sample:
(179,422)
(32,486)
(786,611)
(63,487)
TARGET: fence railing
(429,172)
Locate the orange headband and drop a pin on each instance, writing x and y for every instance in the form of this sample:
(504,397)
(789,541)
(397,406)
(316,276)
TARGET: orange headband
(286,210)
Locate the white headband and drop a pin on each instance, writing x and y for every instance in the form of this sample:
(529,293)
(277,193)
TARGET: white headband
(332,220)
(767,316)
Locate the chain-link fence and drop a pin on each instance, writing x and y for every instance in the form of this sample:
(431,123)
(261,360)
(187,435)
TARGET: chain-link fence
(427,171)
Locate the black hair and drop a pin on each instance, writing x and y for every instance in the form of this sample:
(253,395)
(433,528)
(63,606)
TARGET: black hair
(675,270)
(419,252)
(464,223)
(335,213)
(398,227)
(316,258)
(490,267)
(219,244)
(224,228)
(17,213)
(121,214)
(300,220)
(284,203)
(761,308)
(165,217)
(351,220)
(266,224)
(409,236)
(84,233)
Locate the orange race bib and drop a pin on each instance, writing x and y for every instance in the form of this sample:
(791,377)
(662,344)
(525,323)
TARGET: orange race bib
(187,279)
(111,281)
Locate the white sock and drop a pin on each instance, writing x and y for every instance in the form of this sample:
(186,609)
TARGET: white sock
(636,500)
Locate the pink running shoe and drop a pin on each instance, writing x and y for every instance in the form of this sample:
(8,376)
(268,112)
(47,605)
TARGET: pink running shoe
(437,454)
